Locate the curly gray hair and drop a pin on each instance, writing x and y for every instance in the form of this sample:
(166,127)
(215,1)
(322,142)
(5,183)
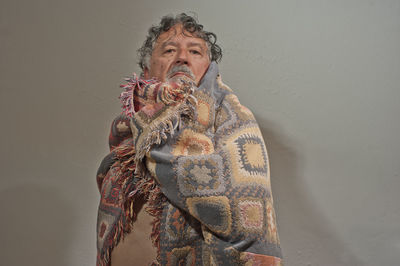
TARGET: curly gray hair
(191,25)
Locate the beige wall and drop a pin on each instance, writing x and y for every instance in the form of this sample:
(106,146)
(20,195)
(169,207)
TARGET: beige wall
(322,78)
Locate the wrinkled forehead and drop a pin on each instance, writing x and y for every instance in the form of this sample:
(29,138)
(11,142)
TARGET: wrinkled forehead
(177,31)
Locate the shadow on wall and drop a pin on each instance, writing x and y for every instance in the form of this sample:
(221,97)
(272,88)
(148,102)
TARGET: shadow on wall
(36,226)
(306,235)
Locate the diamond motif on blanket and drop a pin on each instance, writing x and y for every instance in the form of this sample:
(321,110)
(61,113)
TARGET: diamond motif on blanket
(192,143)
(248,156)
(200,175)
(251,214)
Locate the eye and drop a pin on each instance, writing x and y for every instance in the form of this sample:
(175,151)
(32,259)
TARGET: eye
(168,51)
(195,52)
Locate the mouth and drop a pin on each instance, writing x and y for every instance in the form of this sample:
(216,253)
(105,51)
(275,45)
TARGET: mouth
(180,73)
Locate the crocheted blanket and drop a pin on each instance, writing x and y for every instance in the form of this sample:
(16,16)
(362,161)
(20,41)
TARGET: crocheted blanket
(197,156)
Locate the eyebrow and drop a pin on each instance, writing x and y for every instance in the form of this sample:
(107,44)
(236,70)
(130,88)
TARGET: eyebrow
(168,43)
(190,44)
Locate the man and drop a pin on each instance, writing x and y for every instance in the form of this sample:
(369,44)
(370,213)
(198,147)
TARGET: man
(188,167)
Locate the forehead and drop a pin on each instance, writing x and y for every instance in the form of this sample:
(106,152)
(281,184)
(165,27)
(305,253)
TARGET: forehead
(178,33)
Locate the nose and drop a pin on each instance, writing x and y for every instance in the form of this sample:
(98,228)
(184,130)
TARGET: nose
(182,58)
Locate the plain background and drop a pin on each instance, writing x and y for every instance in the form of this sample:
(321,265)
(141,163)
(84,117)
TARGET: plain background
(322,78)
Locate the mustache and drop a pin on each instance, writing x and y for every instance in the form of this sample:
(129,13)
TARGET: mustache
(181,68)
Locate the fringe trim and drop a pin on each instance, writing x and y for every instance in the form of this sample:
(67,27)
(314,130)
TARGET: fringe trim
(127,97)
(125,175)
(155,205)
(132,166)
(159,130)
(145,187)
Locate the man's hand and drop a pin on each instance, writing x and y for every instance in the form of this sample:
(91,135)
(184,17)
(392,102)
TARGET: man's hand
(176,92)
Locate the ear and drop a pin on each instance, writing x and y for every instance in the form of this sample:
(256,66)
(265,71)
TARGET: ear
(146,73)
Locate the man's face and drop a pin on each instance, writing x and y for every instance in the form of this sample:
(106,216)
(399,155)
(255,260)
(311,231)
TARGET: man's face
(178,54)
